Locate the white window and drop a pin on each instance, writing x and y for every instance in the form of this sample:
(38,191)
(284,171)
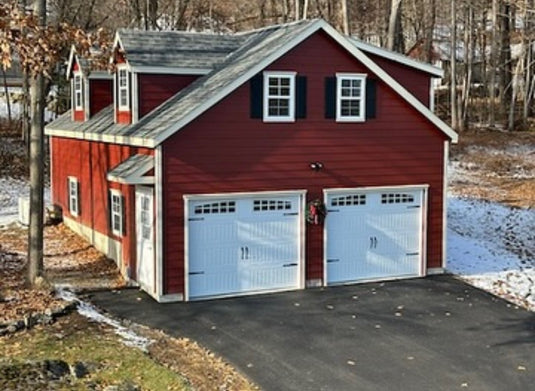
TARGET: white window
(350,97)
(123,88)
(78,91)
(116,212)
(279,96)
(74,196)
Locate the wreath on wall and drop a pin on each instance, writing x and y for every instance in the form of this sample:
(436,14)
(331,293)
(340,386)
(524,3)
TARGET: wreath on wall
(316,212)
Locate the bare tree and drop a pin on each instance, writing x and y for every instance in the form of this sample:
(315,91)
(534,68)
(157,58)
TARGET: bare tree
(394,40)
(37,155)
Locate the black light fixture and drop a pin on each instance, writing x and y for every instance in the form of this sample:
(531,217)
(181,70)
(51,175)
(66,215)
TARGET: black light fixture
(316,166)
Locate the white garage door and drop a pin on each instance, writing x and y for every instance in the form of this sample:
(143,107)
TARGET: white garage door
(243,245)
(374,234)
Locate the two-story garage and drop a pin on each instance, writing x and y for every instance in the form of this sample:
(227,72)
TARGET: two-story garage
(275,159)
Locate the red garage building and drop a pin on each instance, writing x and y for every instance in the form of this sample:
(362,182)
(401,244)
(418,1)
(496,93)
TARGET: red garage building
(275,159)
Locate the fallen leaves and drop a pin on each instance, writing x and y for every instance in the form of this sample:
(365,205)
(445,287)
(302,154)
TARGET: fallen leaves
(68,259)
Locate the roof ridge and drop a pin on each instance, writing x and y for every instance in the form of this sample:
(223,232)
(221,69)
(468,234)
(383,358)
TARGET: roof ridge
(276,26)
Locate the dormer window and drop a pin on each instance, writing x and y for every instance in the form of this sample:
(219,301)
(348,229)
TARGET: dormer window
(350,97)
(78,91)
(279,96)
(123,88)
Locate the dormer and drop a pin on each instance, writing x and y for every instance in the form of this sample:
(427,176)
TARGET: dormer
(152,66)
(91,90)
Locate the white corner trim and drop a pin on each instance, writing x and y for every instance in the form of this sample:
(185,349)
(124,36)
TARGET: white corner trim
(445,206)
(159,250)
(134,97)
(397,57)
(432,96)
(70,62)
(100,75)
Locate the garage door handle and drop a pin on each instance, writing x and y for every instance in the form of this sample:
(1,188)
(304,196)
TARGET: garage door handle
(196,219)
(289,264)
(413,207)
(246,252)
(373,242)
(332,260)
(333,210)
(195,273)
(291,214)
(411,254)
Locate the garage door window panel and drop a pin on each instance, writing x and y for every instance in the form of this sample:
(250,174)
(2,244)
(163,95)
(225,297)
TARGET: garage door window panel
(215,208)
(349,200)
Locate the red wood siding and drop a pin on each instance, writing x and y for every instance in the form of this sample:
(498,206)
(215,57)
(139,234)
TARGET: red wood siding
(90,162)
(100,95)
(416,82)
(226,151)
(79,115)
(155,89)
(123,117)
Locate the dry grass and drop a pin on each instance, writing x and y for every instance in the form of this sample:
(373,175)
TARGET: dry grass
(495,166)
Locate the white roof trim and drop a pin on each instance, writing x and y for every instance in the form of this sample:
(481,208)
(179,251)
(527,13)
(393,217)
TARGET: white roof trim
(136,178)
(397,57)
(171,70)
(100,75)
(344,42)
(134,141)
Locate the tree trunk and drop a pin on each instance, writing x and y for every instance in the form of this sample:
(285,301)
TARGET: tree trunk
(305,10)
(6,91)
(37,91)
(493,63)
(394,38)
(453,67)
(345,18)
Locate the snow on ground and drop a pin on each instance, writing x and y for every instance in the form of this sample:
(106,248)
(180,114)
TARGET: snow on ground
(129,337)
(10,191)
(492,247)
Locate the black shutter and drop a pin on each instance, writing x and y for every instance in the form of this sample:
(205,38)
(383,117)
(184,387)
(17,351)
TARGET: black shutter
(257,96)
(123,212)
(330,97)
(78,198)
(68,203)
(110,222)
(371,98)
(130,94)
(301,97)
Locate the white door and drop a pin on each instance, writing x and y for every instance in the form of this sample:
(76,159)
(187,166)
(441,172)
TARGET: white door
(243,245)
(145,270)
(373,234)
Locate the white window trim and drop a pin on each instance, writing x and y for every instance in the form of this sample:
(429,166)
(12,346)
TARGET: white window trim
(291,116)
(74,200)
(350,76)
(114,192)
(78,105)
(125,88)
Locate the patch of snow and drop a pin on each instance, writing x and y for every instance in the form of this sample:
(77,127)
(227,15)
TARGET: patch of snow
(492,247)
(129,337)
(10,191)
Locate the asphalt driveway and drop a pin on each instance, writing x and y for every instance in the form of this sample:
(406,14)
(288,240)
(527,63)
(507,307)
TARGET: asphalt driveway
(424,334)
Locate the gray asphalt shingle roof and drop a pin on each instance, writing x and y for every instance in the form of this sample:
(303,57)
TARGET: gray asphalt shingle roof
(255,47)
(177,48)
(135,164)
